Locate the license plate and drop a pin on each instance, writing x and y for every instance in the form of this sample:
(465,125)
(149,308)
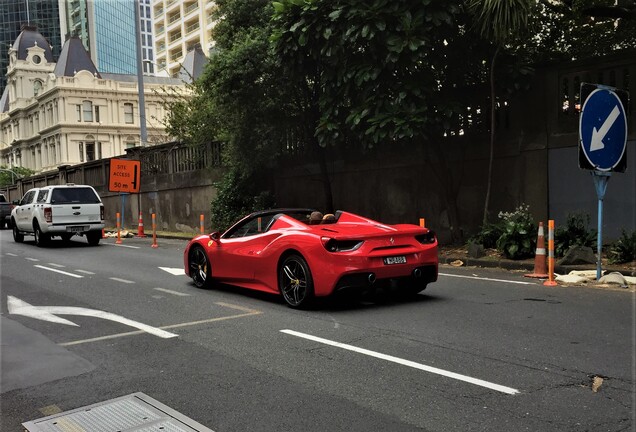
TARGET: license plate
(395,260)
(76,229)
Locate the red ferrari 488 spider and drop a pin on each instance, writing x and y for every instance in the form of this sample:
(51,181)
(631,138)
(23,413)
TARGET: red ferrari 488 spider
(289,251)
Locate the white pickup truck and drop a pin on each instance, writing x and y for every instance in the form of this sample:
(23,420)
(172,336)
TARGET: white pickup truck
(59,211)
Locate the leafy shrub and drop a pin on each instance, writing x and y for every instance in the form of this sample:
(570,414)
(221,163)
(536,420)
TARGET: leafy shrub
(623,250)
(488,235)
(237,196)
(574,233)
(519,237)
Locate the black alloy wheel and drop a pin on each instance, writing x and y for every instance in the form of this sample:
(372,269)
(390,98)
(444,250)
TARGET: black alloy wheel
(41,239)
(200,268)
(18,237)
(295,282)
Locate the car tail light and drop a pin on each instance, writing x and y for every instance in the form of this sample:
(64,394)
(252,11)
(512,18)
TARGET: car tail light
(333,245)
(48,214)
(101,212)
(427,238)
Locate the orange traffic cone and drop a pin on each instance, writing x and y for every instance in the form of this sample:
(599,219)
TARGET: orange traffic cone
(540,269)
(140,230)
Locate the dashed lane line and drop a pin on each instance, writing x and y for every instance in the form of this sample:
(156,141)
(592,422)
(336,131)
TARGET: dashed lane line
(177,293)
(57,265)
(59,271)
(85,272)
(122,280)
(121,245)
(412,364)
(11,254)
(32,259)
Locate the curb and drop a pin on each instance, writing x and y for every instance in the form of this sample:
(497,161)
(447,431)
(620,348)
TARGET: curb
(514,265)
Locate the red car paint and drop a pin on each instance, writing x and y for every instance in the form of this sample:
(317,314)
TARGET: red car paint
(249,254)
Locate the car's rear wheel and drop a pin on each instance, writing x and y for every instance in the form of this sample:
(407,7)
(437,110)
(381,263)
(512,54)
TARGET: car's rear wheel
(18,237)
(41,239)
(200,268)
(295,282)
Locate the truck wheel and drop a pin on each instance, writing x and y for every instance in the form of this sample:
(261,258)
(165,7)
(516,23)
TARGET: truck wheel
(18,237)
(93,237)
(41,239)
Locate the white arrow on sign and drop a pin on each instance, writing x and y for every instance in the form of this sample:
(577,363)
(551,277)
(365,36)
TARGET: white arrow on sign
(49,313)
(599,135)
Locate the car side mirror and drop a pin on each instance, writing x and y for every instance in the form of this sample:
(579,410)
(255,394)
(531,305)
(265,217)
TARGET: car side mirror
(16,202)
(215,236)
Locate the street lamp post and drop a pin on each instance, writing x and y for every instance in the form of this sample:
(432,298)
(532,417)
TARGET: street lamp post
(140,80)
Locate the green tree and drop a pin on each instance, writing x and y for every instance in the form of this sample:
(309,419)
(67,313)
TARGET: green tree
(499,21)
(9,174)
(368,72)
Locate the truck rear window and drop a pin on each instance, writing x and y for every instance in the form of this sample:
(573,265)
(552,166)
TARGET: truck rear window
(74,195)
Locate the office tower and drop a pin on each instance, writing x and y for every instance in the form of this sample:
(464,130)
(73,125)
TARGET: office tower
(14,13)
(180,26)
(147,37)
(107,30)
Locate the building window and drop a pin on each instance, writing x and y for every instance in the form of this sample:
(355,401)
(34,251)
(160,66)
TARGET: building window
(87,108)
(90,151)
(81,152)
(37,87)
(78,110)
(128,113)
(97,114)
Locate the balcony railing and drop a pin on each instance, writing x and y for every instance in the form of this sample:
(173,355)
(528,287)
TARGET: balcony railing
(190,8)
(174,18)
(192,27)
(175,36)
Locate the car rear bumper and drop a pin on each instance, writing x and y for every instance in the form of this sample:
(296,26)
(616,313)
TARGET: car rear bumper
(363,280)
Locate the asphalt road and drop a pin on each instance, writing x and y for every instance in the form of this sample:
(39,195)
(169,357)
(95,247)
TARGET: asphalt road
(479,350)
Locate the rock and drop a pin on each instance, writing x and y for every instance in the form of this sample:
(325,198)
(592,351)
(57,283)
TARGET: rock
(578,255)
(457,263)
(476,250)
(613,278)
(570,278)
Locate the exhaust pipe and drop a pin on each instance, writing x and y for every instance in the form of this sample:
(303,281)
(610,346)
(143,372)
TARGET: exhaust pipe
(371,278)
(417,273)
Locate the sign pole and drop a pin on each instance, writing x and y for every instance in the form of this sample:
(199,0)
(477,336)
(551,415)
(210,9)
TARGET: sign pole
(600,183)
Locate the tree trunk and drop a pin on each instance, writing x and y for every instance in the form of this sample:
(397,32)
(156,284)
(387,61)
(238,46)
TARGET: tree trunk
(493,109)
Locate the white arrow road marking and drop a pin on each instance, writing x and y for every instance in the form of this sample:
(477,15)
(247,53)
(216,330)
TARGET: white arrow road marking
(48,313)
(599,135)
(453,375)
(173,271)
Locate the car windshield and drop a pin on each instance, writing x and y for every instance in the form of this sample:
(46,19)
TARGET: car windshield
(74,195)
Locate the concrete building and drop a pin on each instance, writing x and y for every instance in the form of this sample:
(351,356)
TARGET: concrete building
(180,26)
(68,112)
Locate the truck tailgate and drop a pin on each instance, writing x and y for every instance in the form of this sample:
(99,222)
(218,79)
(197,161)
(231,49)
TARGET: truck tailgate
(76,214)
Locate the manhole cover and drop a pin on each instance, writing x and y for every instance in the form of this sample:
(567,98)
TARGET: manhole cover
(137,411)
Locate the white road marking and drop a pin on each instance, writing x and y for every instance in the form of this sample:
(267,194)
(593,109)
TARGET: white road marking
(173,292)
(57,265)
(121,280)
(32,259)
(48,313)
(85,272)
(249,312)
(11,254)
(173,271)
(448,374)
(59,271)
(487,279)
(121,245)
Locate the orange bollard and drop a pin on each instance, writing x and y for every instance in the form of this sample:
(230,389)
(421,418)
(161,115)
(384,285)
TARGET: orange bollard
(154,232)
(539,257)
(140,230)
(201,220)
(103,233)
(423,222)
(550,281)
(118,241)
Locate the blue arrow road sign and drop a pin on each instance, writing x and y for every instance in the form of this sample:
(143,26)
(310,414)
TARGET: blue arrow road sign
(603,129)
